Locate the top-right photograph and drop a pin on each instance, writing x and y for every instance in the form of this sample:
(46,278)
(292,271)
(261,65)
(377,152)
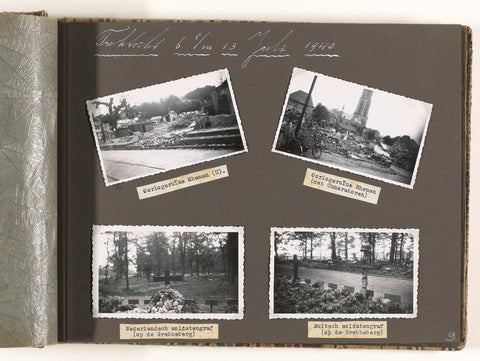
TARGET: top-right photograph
(352,127)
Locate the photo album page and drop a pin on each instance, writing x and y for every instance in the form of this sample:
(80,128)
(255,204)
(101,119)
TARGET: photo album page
(261,183)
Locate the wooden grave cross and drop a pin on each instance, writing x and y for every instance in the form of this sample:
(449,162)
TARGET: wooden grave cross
(211,303)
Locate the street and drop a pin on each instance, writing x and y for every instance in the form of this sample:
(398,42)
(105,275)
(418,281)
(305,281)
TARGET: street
(393,173)
(126,164)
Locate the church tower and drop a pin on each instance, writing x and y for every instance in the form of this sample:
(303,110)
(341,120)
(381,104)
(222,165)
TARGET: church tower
(361,112)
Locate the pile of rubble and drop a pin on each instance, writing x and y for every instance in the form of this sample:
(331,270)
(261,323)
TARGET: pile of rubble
(156,140)
(167,300)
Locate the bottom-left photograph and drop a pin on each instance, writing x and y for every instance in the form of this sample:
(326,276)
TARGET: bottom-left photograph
(167,272)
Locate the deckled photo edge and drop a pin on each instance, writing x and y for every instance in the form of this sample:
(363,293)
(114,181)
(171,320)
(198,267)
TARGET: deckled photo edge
(237,115)
(96,229)
(415,232)
(333,166)
(284,107)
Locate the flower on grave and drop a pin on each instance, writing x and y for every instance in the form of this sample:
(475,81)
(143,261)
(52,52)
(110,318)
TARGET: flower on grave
(167,300)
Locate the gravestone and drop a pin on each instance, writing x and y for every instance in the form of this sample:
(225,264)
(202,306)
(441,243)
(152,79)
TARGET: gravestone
(369,294)
(133,301)
(318,284)
(211,303)
(393,298)
(349,289)
(308,281)
(332,286)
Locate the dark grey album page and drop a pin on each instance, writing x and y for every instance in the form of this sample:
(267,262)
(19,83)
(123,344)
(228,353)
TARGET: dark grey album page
(330,163)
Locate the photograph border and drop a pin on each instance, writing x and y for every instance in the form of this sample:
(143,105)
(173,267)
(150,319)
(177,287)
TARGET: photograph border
(237,115)
(172,316)
(330,165)
(271,300)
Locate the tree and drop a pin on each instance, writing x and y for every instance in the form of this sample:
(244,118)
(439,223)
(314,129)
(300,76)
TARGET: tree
(174,103)
(405,151)
(304,238)
(371,134)
(320,113)
(401,246)
(113,115)
(125,257)
(182,247)
(197,240)
(106,243)
(372,239)
(120,257)
(333,236)
(388,140)
(232,246)
(157,248)
(393,247)
(346,243)
(171,246)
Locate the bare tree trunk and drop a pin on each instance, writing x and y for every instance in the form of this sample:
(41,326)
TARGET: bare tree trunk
(108,260)
(372,240)
(393,246)
(127,286)
(196,263)
(275,243)
(333,245)
(232,247)
(173,255)
(223,261)
(346,246)
(311,245)
(401,247)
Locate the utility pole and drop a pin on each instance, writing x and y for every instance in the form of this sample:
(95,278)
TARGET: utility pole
(302,115)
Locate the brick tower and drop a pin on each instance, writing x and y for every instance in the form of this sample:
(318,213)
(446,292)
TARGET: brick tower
(361,112)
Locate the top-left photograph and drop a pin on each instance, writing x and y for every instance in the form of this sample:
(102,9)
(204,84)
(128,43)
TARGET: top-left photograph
(166,126)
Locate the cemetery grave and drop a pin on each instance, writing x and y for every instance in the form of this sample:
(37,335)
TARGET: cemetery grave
(169,272)
(299,297)
(168,295)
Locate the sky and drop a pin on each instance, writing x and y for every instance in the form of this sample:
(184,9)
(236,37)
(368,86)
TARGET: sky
(390,114)
(179,88)
(139,235)
(292,246)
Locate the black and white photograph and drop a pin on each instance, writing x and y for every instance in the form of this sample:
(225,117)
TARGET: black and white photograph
(167,272)
(166,126)
(352,127)
(343,272)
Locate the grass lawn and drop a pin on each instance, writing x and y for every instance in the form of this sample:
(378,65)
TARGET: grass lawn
(200,288)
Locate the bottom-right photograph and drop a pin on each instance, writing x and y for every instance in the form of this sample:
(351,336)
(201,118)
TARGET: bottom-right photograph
(343,273)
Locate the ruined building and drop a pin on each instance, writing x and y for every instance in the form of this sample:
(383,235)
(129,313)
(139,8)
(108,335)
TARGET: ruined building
(222,100)
(298,99)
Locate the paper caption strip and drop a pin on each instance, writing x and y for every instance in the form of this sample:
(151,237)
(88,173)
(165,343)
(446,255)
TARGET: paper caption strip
(152,331)
(184,181)
(347,329)
(341,186)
